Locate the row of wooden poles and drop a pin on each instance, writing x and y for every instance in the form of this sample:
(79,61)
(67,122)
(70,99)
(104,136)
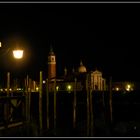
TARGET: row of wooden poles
(90,116)
(47,104)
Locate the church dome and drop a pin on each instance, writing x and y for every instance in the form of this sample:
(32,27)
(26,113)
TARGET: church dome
(82,68)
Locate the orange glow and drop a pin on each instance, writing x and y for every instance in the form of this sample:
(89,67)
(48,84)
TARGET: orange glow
(128,87)
(18,54)
(117,89)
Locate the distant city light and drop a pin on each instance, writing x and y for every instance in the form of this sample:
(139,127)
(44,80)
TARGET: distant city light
(117,89)
(0,44)
(69,87)
(37,88)
(57,88)
(1,89)
(44,81)
(128,87)
(19,89)
(18,54)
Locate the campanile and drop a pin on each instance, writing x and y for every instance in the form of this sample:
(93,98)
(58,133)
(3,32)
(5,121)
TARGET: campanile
(51,64)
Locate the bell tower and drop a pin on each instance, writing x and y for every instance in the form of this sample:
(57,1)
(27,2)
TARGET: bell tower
(51,64)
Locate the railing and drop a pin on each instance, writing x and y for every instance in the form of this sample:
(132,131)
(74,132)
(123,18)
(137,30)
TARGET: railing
(12,111)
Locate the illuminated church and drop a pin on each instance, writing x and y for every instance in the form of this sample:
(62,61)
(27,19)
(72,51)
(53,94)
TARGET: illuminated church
(66,81)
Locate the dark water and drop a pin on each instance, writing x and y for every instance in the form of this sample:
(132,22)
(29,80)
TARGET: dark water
(126,116)
(125,107)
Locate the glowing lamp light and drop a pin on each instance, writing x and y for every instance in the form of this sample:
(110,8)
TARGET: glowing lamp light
(37,88)
(69,87)
(117,89)
(57,88)
(0,44)
(1,89)
(128,87)
(18,54)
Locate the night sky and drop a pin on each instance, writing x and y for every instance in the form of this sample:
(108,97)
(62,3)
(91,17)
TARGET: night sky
(104,36)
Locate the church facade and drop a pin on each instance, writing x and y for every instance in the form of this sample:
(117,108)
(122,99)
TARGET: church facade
(79,79)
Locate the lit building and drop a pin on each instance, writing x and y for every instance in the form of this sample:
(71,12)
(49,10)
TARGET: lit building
(97,81)
(82,68)
(51,65)
(67,81)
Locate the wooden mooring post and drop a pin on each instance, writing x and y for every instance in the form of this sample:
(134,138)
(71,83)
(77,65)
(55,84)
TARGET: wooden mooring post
(54,106)
(90,116)
(47,100)
(8,83)
(27,98)
(110,99)
(88,113)
(6,105)
(40,103)
(91,113)
(74,104)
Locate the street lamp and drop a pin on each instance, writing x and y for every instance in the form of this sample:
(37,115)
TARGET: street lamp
(18,54)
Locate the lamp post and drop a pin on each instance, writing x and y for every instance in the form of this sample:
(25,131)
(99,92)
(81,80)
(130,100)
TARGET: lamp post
(17,54)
